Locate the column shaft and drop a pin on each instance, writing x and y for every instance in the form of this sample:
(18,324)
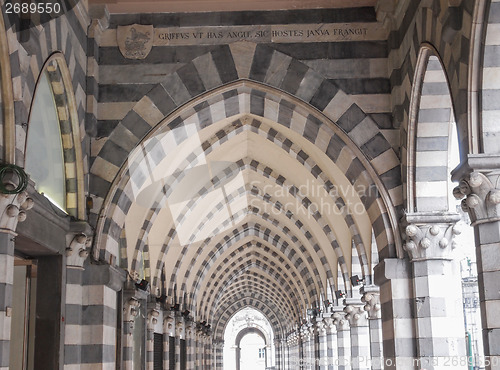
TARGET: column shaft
(6,284)
(376,348)
(488,268)
(344,349)
(393,276)
(332,353)
(438,314)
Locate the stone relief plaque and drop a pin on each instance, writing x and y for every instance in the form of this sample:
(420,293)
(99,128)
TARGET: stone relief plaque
(135,41)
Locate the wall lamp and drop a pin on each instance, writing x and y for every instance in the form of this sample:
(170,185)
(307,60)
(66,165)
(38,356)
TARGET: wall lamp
(339,294)
(142,285)
(355,280)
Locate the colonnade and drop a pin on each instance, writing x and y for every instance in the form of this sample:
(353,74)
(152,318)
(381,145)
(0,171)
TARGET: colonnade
(339,338)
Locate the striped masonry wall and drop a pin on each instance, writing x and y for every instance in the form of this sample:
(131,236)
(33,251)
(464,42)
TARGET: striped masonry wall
(376,344)
(99,319)
(66,34)
(6,283)
(490,96)
(393,276)
(443,341)
(448,28)
(73,318)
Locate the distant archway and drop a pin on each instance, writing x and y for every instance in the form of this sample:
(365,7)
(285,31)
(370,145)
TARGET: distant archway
(248,321)
(238,340)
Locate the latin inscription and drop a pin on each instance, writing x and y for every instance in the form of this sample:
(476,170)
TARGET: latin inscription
(279,33)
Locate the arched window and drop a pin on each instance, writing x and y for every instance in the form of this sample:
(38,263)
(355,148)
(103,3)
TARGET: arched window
(44,151)
(53,157)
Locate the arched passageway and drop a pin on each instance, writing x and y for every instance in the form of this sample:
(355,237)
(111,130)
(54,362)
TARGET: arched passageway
(292,161)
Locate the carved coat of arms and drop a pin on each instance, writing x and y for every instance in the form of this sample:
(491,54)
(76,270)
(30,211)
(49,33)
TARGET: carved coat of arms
(135,41)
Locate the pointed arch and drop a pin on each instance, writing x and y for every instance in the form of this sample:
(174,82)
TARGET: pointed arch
(59,78)
(430,136)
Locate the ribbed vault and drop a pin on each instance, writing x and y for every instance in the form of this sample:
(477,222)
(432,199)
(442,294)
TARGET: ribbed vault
(246,211)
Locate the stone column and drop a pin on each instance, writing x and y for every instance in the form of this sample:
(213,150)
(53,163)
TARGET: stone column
(168,332)
(323,345)
(393,276)
(76,253)
(482,201)
(287,353)
(13,209)
(360,336)
(152,320)
(278,353)
(292,360)
(313,336)
(199,349)
(306,337)
(218,346)
(371,298)
(180,333)
(209,358)
(331,341)
(439,319)
(130,311)
(101,284)
(343,338)
(197,338)
(190,344)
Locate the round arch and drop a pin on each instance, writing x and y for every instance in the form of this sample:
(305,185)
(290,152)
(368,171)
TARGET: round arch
(246,331)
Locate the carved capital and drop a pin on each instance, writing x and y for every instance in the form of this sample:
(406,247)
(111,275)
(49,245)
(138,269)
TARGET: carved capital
(190,330)
(78,250)
(304,333)
(356,315)
(180,329)
(340,321)
(329,326)
(312,330)
(152,319)
(430,236)
(371,296)
(321,327)
(168,324)
(13,208)
(480,198)
(130,312)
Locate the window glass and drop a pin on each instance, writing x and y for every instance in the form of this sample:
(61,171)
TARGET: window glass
(44,152)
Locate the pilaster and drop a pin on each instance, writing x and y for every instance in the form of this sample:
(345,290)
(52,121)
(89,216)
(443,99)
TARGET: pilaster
(479,178)
(360,338)
(438,299)
(343,337)
(371,298)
